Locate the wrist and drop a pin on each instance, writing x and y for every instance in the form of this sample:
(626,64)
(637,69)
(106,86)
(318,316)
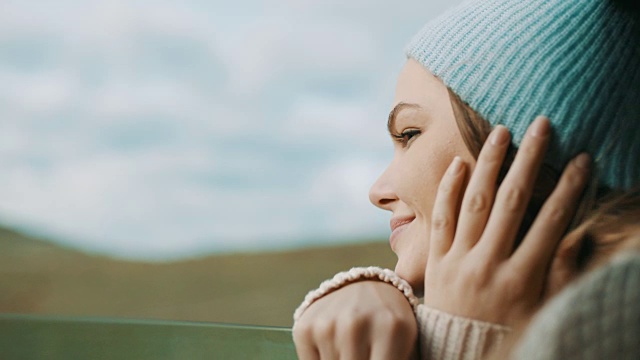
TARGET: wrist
(355,275)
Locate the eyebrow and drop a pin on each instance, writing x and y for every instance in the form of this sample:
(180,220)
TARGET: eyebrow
(393,115)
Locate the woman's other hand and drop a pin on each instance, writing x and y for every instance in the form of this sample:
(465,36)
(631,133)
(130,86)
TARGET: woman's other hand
(472,269)
(363,320)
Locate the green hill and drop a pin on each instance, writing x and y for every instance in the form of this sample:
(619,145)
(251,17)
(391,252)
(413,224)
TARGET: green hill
(37,276)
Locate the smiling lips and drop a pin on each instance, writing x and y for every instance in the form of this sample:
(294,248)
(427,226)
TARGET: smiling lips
(397,225)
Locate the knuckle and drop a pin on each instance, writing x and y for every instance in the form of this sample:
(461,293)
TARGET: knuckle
(476,275)
(409,332)
(483,274)
(347,330)
(490,157)
(390,320)
(556,213)
(517,289)
(302,331)
(408,323)
(440,222)
(402,327)
(477,203)
(350,327)
(514,198)
(324,328)
(514,284)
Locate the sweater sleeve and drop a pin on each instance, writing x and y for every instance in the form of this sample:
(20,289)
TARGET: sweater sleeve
(596,318)
(448,337)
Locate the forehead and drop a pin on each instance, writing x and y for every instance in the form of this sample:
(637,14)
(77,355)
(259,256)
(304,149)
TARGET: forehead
(416,85)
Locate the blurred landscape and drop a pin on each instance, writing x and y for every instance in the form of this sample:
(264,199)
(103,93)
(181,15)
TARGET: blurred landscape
(40,277)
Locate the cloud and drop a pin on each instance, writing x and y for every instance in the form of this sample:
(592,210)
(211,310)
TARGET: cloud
(161,129)
(343,187)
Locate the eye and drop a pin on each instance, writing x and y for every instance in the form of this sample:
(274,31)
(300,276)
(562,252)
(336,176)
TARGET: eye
(406,136)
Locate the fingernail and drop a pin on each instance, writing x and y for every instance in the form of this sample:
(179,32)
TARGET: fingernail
(583,161)
(499,136)
(456,166)
(540,127)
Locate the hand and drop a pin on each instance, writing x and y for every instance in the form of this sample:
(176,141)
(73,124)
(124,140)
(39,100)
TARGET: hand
(363,320)
(472,270)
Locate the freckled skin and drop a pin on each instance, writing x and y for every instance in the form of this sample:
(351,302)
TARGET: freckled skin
(408,186)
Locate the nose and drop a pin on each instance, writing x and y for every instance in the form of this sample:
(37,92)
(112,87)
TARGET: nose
(382,192)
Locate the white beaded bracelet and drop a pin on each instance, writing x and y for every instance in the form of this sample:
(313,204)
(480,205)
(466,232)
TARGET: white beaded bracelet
(353,275)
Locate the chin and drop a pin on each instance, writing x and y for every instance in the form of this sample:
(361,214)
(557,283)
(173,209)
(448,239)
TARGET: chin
(413,273)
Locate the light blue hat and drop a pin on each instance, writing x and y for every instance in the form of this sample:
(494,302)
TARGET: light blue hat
(575,61)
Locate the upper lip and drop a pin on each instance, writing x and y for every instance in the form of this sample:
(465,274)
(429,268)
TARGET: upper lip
(399,221)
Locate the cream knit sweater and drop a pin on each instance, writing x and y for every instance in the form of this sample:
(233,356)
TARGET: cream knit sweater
(445,336)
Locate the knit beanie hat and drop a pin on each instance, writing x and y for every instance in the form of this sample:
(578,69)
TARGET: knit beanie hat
(575,61)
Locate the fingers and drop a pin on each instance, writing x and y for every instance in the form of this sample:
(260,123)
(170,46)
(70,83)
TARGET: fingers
(353,341)
(349,322)
(564,267)
(327,350)
(307,353)
(443,219)
(395,343)
(324,338)
(479,195)
(305,349)
(515,191)
(539,245)
(356,351)
(384,351)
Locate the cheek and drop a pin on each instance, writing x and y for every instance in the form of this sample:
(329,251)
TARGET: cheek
(420,176)
(420,173)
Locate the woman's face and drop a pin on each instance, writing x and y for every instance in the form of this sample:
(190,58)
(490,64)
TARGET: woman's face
(426,139)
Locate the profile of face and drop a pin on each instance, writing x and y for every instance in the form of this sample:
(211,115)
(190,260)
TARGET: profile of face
(426,138)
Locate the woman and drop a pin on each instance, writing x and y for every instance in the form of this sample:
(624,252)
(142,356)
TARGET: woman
(577,62)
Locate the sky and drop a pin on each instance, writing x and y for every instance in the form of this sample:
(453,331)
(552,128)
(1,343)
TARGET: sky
(164,129)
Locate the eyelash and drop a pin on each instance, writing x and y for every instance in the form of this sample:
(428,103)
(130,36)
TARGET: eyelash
(406,136)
